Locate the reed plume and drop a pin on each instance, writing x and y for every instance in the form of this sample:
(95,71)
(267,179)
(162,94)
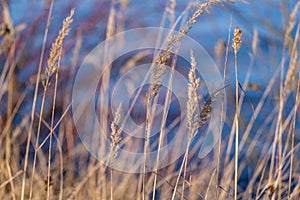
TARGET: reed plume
(56,48)
(115,132)
(171,45)
(193,98)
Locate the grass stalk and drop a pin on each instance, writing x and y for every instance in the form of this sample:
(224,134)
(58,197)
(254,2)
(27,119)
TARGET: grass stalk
(294,125)
(224,80)
(34,105)
(236,45)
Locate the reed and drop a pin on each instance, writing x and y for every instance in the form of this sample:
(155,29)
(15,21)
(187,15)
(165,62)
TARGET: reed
(53,67)
(41,156)
(236,45)
(115,140)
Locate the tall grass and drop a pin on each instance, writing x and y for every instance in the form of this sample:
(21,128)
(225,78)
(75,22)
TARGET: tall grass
(236,45)
(41,156)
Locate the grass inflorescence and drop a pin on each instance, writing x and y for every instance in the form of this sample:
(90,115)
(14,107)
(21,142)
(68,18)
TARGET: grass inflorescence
(257,154)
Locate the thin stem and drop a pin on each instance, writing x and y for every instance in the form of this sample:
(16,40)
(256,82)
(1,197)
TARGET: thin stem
(34,102)
(51,126)
(180,170)
(236,126)
(224,79)
(111,184)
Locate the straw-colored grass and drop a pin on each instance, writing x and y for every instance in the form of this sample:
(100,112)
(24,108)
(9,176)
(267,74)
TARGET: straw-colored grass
(236,45)
(256,157)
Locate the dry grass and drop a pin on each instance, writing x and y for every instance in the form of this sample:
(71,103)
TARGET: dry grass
(41,156)
(236,45)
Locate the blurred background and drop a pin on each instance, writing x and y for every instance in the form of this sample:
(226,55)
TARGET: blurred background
(264,24)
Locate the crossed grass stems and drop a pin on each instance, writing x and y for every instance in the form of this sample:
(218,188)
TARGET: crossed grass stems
(274,183)
(195,120)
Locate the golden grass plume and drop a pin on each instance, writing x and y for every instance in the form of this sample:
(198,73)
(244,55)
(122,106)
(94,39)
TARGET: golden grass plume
(56,48)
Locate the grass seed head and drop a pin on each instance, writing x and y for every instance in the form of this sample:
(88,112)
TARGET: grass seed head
(237,39)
